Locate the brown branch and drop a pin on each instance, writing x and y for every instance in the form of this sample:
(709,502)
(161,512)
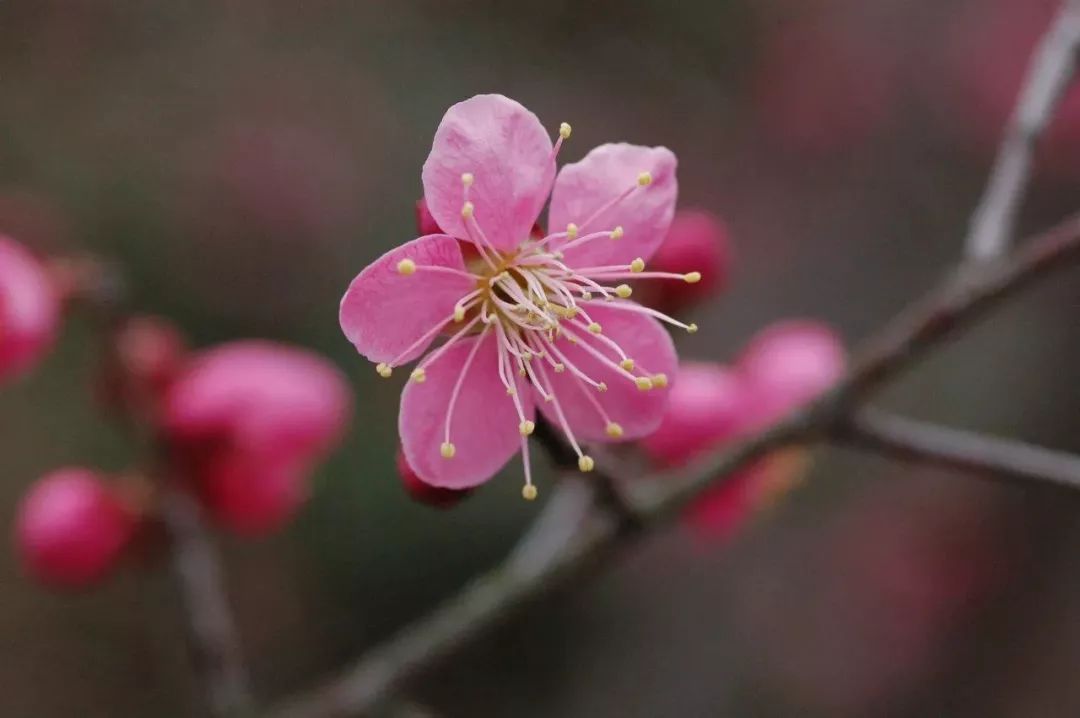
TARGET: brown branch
(955,448)
(957,303)
(212,635)
(1048,76)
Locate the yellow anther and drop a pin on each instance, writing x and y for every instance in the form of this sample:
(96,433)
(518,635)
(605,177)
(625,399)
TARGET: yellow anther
(447,450)
(623,291)
(467,210)
(601,387)
(617,233)
(644,179)
(638,265)
(527,356)
(586,296)
(559,368)
(595,328)
(528,492)
(384,370)
(571,230)
(527,427)
(406,267)
(549,398)
(418,375)
(467,179)
(522,372)
(659,380)
(511,391)
(644,383)
(459,314)
(627,364)
(692,329)
(614,430)
(564,130)
(692,277)
(586,463)
(572,340)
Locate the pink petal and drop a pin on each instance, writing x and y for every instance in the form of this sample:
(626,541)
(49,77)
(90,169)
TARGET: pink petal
(384,311)
(484,429)
(584,187)
(645,341)
(509,154)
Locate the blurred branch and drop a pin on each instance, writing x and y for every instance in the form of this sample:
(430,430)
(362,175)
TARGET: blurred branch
(212,635)
(1048,76)
(956,303)
(955,448)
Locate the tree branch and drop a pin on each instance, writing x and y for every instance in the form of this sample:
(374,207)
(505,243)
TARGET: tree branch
(212,636)
(955,448)
(1048,76)
(957,303)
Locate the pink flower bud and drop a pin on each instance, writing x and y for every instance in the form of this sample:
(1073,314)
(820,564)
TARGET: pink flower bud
(423,492)
(146,355)
(251,496)
(697,242)
(247,418)
(706,407)
(71,528)
(789,363)
(425,223)
(29,309)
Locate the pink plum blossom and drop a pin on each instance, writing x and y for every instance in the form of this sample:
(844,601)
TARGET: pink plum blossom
(29,309)
(532,321)
(248,420)
(71,528)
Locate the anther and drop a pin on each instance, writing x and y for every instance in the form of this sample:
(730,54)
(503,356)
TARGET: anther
(467,210)
(459,314)
(559,368)
(384,370)
(644,179)
(571,230)
(627,364)
(528,492)
(406,267)
(659,380)
(511,391)
(691,329)
(692,277)
(586,296)
(418,375)
(614,430)
(623,291)
(586,463)
(564,130)
(595,328)
(644,383)
(447,450)
(467,179)
(601,387)
(527,427)
(638,265)
(617,233)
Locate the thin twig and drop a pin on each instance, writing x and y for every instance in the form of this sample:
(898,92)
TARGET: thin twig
(955,448)
(212,636)
(1048,76)
(957,303)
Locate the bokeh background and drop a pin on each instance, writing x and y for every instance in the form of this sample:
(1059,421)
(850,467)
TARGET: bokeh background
(242,160)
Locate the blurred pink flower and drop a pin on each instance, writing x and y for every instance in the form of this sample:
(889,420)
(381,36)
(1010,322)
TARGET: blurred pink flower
(29,309)
(782,367)
(248,420)
(697,241)
(71,529)
(531,328)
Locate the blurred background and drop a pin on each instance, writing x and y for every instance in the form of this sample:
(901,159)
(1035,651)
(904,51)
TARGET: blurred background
(242,160)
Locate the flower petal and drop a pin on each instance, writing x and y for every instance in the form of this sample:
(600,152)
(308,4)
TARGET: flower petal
(583,188)
(509,154)
(484,429)
(384,312)
(638,412)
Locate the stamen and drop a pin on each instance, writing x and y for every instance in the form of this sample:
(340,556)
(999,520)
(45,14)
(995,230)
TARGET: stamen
(564,134)
(437,270)
(447,450)
(637,266)
(585,463)
(457,391)
(609,363)
(528,491)
(449,343)
(526,428)
(659,380)
(614,430)
(563,423)
(623,291)
(427,336)
(406,267)
(644,179)
(418,375)
(691,278)
(571,231)
(384,370)
(467,179)
(632,307)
